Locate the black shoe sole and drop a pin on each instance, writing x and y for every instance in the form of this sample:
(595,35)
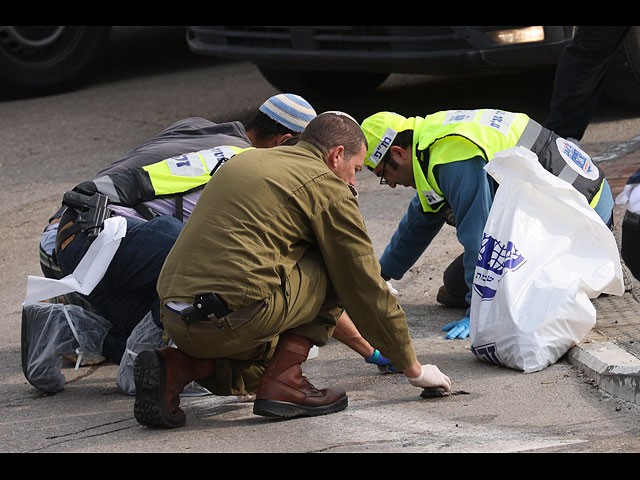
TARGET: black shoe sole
(276,408)
(149,373)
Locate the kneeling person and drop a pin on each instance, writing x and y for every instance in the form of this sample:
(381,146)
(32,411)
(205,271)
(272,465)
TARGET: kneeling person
(274,251)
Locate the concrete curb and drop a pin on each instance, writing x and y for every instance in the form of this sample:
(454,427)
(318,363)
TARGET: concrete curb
(613,369)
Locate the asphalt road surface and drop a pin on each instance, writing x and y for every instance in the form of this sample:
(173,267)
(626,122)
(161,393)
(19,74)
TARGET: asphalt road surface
(147,81)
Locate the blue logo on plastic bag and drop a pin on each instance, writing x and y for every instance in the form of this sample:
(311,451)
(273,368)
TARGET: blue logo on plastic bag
(494,260)
(487,353)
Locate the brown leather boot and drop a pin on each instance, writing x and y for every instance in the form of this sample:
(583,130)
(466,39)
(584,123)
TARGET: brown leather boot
(285,392)
(160,376)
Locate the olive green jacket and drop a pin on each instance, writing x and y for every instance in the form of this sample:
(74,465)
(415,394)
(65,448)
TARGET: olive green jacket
(258,216)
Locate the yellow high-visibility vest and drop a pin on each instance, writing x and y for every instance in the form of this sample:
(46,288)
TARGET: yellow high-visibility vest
(187,172)
(173,176)
(488,131)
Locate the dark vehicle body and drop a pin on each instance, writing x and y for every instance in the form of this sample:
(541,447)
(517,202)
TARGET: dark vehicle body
(305,59)
(400,49)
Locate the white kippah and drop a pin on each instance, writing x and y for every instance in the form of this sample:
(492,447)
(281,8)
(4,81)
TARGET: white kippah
(290,110)
(339,113)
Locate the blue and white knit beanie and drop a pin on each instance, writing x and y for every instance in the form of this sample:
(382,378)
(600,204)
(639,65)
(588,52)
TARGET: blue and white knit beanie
(290,110)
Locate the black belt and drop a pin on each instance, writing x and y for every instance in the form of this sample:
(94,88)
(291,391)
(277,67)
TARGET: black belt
(210,307)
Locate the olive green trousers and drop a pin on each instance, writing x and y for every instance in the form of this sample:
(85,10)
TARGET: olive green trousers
(305,305)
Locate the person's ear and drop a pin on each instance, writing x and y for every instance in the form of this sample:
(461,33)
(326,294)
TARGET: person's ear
(335,156)
(280,139)
(399,151)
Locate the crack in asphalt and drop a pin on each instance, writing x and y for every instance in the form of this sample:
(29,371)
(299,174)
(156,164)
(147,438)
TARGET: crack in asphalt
(73,436)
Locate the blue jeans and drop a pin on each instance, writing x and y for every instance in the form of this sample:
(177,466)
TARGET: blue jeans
(127,292)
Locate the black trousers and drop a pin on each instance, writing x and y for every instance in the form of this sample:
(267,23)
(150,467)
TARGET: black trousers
(580,78)
(630,251)
(453,278)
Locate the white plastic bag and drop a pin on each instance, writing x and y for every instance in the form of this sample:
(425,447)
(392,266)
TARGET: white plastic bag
(545,254)
(147,336)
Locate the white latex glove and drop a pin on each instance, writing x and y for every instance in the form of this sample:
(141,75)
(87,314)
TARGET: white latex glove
(431,376)
(391,289)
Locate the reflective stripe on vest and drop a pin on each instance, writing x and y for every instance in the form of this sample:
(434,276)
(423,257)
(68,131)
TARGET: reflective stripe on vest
(189,171)
(565,160)
(493,131)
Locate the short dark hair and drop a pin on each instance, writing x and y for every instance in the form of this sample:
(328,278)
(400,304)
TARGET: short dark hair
(265,127)
(404,139)
(328,130)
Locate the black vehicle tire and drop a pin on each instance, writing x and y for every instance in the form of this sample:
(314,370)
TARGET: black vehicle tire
(623,79)
(37,60)
(322,84)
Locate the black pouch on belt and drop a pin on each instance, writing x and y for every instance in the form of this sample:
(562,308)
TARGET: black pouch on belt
(206,307)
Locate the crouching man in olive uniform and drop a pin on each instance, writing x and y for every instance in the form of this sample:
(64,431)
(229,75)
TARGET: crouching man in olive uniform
(273,253)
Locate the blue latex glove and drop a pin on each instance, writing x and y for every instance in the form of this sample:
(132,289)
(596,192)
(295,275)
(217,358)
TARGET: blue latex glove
(383,364)
(458,329)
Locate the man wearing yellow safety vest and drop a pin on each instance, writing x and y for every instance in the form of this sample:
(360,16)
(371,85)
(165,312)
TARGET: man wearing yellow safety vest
(442,156)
